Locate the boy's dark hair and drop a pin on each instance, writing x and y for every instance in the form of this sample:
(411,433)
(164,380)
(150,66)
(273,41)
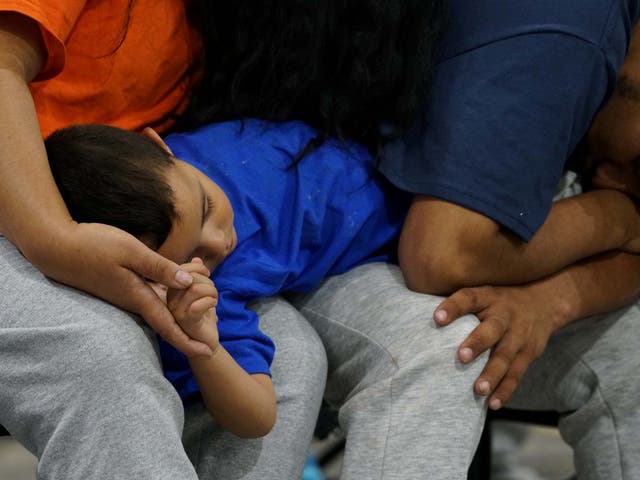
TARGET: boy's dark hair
(342,66)
(116,177)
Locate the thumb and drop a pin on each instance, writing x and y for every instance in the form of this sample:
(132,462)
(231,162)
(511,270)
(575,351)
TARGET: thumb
(153,266)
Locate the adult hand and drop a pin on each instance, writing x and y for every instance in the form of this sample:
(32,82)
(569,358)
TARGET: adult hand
(113,265)
(514,323)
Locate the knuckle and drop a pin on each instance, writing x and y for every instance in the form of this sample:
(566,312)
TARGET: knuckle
(511,381)
(494,329)
(539,349)
(503,321)
(158,267)
(494,372)
(200,290)
(484,291)
(502,356)
(469,295)
(527,355)
(154,266)
(149,267)
(192,313)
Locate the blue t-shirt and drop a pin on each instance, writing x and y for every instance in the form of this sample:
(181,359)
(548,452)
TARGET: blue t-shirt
(516,87)
(296,224)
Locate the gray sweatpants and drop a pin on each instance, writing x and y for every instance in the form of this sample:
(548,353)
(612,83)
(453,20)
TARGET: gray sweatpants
(83,390)
(407,404)
(81,387)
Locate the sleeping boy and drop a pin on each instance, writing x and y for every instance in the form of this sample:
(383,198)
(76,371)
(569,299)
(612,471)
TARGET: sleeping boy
(231,202)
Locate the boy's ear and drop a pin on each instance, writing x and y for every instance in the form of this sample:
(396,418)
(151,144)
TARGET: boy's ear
(153,135)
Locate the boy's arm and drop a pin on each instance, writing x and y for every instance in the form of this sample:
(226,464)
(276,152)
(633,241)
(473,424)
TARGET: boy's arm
(242,403)
(444,247)
(516,322)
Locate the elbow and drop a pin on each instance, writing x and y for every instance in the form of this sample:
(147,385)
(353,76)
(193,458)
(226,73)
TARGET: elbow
(434,272)
(440,248)
(441,264)
(256,430)
(248,425)
(260,427)
(444,247)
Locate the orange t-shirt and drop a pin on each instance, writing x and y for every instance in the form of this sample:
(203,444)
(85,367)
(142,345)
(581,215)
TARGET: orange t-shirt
(110,64)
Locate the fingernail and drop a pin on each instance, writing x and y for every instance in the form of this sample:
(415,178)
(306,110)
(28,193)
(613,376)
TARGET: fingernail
(183,278)
(484,387)
(466,355)
(495,404)
(440,316)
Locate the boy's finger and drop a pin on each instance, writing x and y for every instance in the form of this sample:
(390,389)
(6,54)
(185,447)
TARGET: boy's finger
(203,287)
(201,278)
(198,308)
(181,300)
(155,312)
(195,267)
(211,314)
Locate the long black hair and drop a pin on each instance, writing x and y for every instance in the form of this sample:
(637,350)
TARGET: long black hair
(343,66)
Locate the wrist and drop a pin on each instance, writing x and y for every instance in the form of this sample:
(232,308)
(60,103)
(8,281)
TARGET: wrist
(622,225)
(217,353)
(46,241)
(560,304)
(204,333)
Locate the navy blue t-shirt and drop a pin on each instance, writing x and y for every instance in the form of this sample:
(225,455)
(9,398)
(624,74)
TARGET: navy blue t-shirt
(296,224)
(516,87)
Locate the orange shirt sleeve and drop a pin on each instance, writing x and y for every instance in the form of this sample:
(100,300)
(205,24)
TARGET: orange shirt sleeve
(57,19)
(122,63)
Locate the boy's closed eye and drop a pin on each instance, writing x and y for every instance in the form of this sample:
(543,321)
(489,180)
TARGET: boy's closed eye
(204,223)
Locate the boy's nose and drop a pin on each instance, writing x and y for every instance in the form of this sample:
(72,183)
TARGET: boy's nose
(217,242)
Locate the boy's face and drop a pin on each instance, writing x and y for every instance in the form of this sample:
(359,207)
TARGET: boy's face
(204,227)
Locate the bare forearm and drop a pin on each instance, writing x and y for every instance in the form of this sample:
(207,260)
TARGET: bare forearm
(28,196)
(243,404)
(444,247)
(29,200)
(600,284)
(576,228)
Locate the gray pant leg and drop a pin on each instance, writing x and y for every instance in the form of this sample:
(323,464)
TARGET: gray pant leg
(299,373)
(81,383)
(406,403)
(590,372)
